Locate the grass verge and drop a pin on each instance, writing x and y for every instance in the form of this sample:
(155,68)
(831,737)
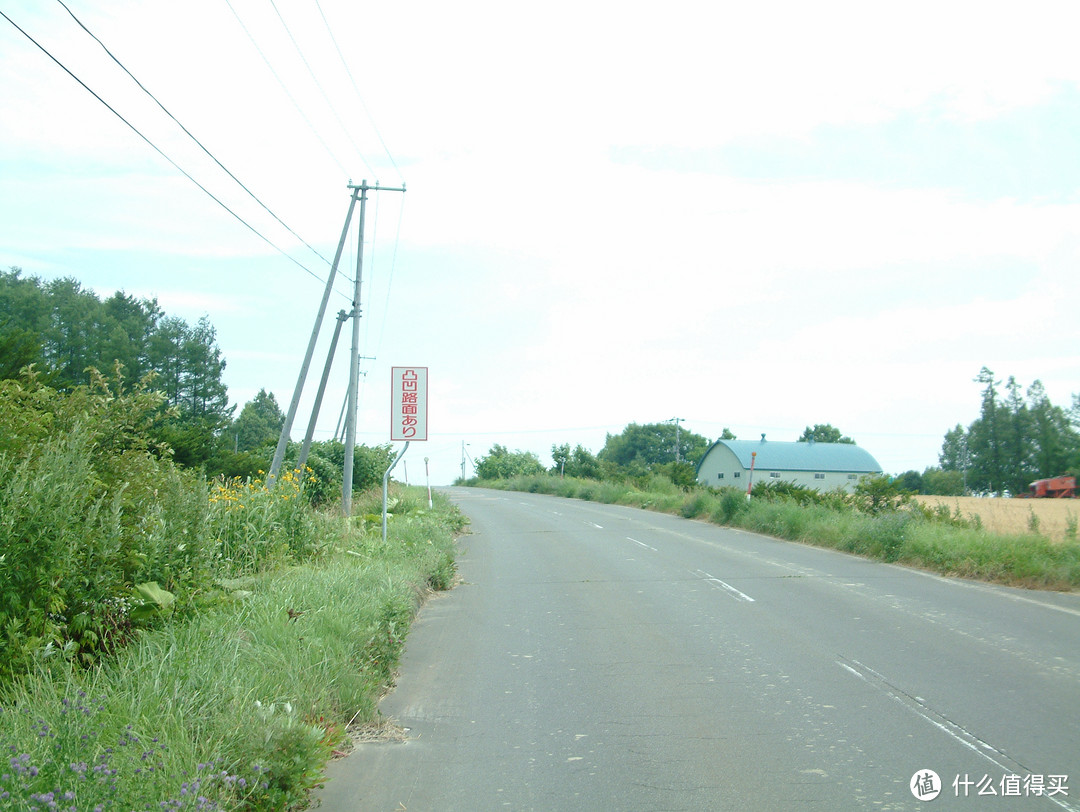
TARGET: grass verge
(241,705)
(932,539)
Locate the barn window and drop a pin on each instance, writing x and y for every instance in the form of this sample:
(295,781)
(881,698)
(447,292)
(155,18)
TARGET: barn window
(852,476)
(774,474)
(819,476)
(737,474)
(719,476)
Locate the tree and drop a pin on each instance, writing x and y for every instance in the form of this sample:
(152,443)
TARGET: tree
(641,447)
(1016,440)
(501,463)
(18,349)
(910,481)
(584,463)
(985,439)
(66,331)
(23,318)
(1054,441)
(259,424)
(577,463)
(954,454)
(824,433)
(943,483)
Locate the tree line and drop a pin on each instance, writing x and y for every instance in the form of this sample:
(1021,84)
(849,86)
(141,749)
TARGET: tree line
(637,452)
(66,333)
(1018,437)
(1014,441)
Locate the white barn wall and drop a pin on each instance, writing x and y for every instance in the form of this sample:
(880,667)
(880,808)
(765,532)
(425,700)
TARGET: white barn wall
(721,467)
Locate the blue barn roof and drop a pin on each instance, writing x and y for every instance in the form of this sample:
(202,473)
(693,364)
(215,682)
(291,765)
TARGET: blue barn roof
(781,456)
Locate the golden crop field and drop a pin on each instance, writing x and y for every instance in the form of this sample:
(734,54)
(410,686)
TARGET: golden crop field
(1014,515)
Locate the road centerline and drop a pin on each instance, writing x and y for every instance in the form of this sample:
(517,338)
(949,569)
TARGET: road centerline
(735,593)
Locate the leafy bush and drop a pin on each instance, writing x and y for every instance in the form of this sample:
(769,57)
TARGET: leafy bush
(239,706)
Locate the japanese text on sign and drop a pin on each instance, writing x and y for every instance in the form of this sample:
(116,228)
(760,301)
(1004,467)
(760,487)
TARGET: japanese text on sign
(409,403)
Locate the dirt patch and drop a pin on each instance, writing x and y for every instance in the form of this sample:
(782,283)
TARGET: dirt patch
(1054,517)
(371,733)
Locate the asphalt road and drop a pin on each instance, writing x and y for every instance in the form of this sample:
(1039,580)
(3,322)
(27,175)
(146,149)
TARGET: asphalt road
(605,658)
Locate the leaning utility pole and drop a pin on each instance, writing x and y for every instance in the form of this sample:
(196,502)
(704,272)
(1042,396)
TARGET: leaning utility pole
(354,358)
(283,439)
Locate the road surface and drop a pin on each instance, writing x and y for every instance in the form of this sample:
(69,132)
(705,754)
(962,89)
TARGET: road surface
(606,658)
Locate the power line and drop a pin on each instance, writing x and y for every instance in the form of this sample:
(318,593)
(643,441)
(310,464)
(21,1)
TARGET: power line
(318,84)
(188,132)
(359,97)
(390,279)
(158,150)
(296,104)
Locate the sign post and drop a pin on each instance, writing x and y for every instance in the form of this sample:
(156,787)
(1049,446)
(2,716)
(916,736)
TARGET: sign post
(408,416)
(750,484)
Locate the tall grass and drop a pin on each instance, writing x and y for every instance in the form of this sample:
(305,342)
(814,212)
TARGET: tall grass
(237,705)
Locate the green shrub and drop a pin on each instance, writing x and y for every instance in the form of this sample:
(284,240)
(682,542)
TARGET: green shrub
(733,503)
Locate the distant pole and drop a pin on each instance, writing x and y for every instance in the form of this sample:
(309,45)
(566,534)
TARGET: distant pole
(427,476)
(354,364)
(676,421)
(286,430)
(750,484)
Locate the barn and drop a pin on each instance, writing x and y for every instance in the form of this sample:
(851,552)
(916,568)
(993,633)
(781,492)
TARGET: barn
(822,466)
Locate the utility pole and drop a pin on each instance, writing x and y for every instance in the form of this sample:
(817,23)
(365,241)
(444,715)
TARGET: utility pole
(306,448)
(354,364)
(676,421)
(286,430)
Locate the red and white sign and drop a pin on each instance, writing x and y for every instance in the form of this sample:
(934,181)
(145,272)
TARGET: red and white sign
(408,400)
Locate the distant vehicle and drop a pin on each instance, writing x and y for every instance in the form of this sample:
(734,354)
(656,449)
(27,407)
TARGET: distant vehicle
(1058,487)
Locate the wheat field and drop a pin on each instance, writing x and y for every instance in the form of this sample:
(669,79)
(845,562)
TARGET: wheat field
(998,515)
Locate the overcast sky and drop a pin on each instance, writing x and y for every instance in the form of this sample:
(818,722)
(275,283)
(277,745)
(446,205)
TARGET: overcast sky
(758,216)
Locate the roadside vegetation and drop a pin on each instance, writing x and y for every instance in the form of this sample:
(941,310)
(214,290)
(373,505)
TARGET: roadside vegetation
(169,641)
(653,466)
(877,521)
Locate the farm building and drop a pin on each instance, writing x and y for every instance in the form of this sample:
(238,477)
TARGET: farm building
(823,466)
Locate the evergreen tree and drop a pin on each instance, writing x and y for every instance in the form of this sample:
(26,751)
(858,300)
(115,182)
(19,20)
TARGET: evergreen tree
(259,424)
(985,439)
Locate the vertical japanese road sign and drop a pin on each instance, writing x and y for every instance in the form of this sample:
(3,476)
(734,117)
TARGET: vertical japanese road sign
(408,403)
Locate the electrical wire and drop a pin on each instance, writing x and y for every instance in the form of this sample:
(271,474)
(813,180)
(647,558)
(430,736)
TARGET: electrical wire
(160,152)
(359,97)
(390,278)
(318,84)
(296,104)
(188,132)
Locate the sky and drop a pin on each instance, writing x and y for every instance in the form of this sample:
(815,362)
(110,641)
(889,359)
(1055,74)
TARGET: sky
(753,216)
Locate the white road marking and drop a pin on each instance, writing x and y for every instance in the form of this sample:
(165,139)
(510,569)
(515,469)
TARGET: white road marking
(735,593)
(642,544)
(954,731)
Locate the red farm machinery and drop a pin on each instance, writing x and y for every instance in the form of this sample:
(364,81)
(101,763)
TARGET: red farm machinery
(1058,487)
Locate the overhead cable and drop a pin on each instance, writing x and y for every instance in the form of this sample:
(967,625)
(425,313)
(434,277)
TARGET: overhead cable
(188,132)
(348,72)
(158,150)
(318,84)
(281,82)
